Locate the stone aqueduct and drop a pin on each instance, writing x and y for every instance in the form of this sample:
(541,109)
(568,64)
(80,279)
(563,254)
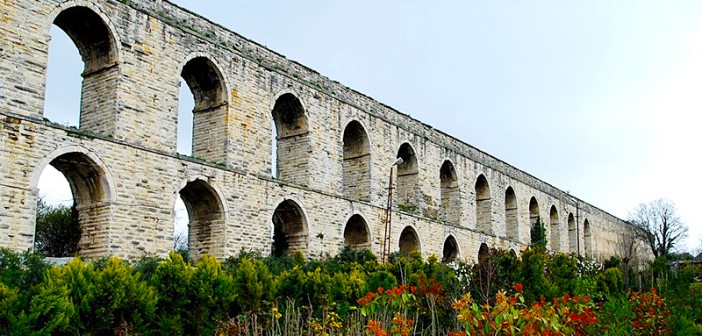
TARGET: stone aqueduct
(335,148)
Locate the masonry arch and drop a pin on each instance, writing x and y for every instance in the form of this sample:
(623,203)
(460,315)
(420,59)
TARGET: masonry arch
(356,233)
(205,129)
(290,231)
(356,162)
(555,229)
(409,241)
(533,211)
(483,204)
(572,233)
(98,47)
(407,178)
(535,224)
(511,214)
(587,236)
(450,250)
(91,31)
(450,193)
(206,214)
(291,139)
(512,253)
(93,196)
(483,251)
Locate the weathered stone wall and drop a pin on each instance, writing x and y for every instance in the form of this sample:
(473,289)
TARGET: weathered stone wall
(123,164)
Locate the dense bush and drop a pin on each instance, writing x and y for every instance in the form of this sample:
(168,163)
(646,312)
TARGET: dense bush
(352,293)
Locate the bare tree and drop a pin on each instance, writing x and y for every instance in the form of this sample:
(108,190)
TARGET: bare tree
(180,242)
(628,251)
(484,276)
(660,226)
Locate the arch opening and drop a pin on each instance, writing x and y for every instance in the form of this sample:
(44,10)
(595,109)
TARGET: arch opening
(290,140)
(206,218)
(356,162)
(450,250)
(587,235)
(409,241)
(202,131)
(97,48)
(483,204)
(181,232)
(356,234)
(62,97)
(538,231)
(83,227)
(511,214)
(555,229)
(407,179)
(512,253)
(533,211)
(450,194)
(289,229)
(483,252)
(572,234)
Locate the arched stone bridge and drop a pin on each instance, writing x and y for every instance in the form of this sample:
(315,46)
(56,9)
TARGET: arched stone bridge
(334,146)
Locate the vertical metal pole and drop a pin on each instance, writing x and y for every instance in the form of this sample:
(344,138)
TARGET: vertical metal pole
(388,218)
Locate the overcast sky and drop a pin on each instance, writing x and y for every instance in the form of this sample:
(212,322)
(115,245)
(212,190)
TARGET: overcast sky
(599,98)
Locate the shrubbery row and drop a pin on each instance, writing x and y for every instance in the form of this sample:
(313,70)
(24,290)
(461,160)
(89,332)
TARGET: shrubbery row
(350,294)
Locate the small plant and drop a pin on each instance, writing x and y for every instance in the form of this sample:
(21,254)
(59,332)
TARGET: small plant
(511,316)
(403,207)
(398,303)
(650,314)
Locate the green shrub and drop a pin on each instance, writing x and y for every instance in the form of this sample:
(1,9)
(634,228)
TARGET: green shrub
(347,288)
(507,263)
(351,255)
(683,322)
(290,284)
(683,292)
(9,308)
(50,312)
(106,298)
(253,284)
(611,283)
(617,316)
(532,274)
(21,270)
(564,272)
(232,262)
(612,262)
(318,290)
(212,296)
(146,266)
(586,286)
(171,279)
(380,278)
